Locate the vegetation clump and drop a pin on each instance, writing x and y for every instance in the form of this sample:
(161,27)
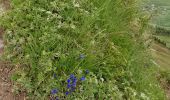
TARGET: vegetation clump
(79,49)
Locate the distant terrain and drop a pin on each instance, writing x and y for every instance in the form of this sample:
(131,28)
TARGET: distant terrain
(160,48)
(162,8)
(161,19)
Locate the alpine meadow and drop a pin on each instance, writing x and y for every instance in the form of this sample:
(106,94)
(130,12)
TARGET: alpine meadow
(82,50)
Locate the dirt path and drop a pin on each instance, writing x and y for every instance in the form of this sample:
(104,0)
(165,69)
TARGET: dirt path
(6,92)
(161,55)
(5,73)
(5,83)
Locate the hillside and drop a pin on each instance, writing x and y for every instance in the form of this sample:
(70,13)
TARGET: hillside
(79,49)
(162,33)
(160,47)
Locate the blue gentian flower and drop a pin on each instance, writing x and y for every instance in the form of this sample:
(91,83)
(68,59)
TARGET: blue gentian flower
(74,80)
(68,85)
(74,84)
(54,91)
(68,81)
(71,84)
(82,56)
(72,76)
(56,98)
(82,78)
(67,93)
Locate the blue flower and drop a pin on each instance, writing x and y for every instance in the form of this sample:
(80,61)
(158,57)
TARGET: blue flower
(82,56)
(68,81)
(74,84)
(75,80)
(68,85)
(86,71)
(82,78)
(56,98)
(72,76)
(67,93)
(54,91)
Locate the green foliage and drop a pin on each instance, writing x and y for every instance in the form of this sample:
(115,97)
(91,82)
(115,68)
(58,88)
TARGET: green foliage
(48,40)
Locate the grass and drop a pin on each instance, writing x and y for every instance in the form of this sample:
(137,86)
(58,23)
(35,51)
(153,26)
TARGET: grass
(54,43)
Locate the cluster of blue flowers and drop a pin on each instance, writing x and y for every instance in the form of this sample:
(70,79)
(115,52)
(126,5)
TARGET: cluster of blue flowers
(71,82)
(54,91)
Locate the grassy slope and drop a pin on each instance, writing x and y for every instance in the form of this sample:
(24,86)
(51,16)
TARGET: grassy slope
(108,44)
(163,19)
(161,54)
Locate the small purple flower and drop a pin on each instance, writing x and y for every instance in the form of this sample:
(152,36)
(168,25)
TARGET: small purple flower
(67,93)
(82,56)
(54,91)
(82,78)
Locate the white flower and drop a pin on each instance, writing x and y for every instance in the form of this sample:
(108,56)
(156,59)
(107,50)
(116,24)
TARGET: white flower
(144,96)
(76,4)
(49,12)
(102,79)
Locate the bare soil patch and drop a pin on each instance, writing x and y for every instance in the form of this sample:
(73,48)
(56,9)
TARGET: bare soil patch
(6,70)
